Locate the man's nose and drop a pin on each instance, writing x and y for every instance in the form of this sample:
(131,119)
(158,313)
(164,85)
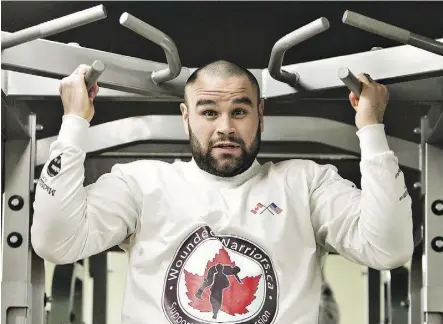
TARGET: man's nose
(225,125)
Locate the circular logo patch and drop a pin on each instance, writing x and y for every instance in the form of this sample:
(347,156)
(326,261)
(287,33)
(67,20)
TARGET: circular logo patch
(220,279)
(55,166)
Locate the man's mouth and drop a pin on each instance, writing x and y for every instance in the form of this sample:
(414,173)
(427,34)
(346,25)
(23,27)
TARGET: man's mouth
(226,145)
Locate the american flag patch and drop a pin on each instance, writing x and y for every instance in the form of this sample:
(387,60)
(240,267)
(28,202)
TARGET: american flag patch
(257,208)
(275,208)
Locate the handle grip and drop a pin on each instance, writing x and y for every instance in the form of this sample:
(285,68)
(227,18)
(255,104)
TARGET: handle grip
(286,42)
(94,73)
(158,37)
(351,81)
(54,26)
(395,33)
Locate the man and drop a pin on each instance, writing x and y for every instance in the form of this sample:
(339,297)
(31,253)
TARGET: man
(274,222)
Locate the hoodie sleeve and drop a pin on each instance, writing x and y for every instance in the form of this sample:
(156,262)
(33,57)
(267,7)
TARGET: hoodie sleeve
(72,222)
(371,226)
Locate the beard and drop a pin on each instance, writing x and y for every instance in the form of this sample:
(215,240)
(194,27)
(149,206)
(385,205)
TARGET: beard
(234,164)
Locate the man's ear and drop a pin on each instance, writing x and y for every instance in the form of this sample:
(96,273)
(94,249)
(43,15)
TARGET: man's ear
(261,108)
(185,115)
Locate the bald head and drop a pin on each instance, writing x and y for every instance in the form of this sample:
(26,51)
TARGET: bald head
(225,70)
(223,105)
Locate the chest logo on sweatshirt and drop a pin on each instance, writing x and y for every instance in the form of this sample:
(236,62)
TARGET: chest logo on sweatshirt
(55,166)
(220,279)
(271,208)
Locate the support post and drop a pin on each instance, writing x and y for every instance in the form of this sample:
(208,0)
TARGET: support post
(22,285)
(433,236)
(415,286)
(399,295)
(98,268)
(374,282)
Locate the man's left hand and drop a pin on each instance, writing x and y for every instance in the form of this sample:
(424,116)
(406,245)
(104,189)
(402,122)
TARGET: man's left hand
(371,105)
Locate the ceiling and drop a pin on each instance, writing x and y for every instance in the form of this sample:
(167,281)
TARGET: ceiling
(241,32)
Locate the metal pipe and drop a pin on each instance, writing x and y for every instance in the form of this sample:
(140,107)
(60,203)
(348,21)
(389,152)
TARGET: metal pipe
(288,41)
(351,81)
(425,43)
(392,32)
(260,155)
(32,124)
(158,37)
(94,73)
(54,26)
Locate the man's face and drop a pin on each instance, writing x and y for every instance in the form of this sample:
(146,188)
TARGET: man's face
(224,123)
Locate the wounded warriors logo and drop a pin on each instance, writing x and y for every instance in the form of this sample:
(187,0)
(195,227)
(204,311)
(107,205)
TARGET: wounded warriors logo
(220,279)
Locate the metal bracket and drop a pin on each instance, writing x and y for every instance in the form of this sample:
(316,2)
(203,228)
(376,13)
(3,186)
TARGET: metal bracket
(391,65)
(122,73)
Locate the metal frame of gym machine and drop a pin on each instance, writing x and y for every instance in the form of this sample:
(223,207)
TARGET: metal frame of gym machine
(28,77)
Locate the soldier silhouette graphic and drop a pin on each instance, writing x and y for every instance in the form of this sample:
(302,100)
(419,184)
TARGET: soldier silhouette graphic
(217,279)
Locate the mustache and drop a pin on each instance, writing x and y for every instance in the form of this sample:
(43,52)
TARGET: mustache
(235,140)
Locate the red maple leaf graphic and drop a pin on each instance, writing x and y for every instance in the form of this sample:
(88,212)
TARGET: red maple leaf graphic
(236,297)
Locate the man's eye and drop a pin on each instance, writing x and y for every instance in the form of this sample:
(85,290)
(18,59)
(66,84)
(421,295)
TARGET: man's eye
(209,113)
(239,112)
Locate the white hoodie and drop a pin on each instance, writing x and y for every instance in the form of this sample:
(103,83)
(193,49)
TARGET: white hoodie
(205,249)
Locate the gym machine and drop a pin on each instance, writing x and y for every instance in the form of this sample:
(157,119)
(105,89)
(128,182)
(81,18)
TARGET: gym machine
(404,68)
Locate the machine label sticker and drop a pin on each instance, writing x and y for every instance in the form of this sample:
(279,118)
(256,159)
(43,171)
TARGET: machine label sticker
(220,279)
(55,166)
(44,186)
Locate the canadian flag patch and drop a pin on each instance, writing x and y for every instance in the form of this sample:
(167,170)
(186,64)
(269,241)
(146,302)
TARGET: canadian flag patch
(257,208)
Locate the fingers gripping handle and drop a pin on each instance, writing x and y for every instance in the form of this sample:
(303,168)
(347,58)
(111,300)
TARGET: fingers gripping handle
(94,73)
(54,26)
(351,81)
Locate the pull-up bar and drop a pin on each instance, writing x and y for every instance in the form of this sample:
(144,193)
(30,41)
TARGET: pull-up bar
(54,26)
(161,81)
(386,30)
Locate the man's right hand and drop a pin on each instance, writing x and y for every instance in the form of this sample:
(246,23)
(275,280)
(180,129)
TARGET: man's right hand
(76,99)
